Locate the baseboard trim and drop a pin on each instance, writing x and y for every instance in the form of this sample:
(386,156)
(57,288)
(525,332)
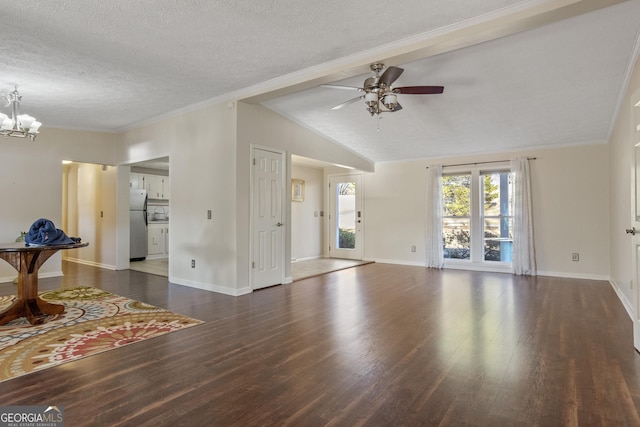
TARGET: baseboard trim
(91,263)
(41,275)
(488,268)
(211,287)
(573,275)
(395,261)
(623,299)
(306,259)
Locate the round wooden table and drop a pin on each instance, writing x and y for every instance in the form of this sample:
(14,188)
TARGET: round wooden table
(27,260)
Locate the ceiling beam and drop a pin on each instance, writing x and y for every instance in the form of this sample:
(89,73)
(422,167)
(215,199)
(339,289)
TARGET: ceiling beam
(505,22)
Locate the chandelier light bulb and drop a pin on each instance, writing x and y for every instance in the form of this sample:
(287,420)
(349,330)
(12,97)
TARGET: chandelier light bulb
(7,123)
(25,121)
(35,126)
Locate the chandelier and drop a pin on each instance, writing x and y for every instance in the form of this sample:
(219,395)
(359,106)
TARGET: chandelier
(18,125)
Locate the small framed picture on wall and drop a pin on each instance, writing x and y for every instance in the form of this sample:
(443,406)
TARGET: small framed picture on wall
(297,190)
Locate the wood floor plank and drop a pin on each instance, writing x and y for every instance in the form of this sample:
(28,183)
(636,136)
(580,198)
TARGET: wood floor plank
(373,345)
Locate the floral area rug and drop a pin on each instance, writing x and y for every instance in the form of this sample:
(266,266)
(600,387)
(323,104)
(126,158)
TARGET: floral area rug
(93,321)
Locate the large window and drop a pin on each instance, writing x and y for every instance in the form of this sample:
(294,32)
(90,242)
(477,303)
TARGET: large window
(497,220)
(477,218)
(456,216)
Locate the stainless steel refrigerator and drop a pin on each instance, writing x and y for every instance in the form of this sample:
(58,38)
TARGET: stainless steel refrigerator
(138,230)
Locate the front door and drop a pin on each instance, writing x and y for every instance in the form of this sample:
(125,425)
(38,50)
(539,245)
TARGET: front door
(267,265)
(635,218)
(345,216)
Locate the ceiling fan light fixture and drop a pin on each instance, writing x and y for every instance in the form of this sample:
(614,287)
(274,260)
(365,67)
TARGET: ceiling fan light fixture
(390,101)
(371,98)
(380,96)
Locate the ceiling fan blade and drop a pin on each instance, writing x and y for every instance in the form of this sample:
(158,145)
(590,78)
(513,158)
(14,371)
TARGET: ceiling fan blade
(343,87)
(390,75)
(344,104)
(419,90)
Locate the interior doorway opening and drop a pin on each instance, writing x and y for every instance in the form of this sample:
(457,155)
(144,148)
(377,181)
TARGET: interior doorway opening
(89,211)
(150,221)
(310,216)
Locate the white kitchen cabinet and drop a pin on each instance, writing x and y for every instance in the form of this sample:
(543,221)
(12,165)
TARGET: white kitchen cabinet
(157,186)
(136,180)
(158,240)
(153,185)
(166,188)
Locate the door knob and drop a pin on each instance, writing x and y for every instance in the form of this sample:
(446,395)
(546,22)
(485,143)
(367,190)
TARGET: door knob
(279,224)
(632,231)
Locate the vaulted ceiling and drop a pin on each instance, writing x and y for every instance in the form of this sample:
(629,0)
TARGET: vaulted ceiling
(517,74)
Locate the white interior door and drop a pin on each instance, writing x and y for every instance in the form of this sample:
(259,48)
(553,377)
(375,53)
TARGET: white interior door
(635,219)
(346,216)
(267,216)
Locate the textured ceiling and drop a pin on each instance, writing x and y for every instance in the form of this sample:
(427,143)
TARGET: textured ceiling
(554,85)
(107,65)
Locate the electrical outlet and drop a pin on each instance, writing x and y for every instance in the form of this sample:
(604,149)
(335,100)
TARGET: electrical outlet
(193,263)
(413,248)
(209,214)
(575,256)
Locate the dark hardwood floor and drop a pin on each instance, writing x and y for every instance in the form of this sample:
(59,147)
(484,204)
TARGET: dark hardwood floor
(375,345)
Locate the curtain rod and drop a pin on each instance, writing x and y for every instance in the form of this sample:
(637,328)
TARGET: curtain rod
(481,163)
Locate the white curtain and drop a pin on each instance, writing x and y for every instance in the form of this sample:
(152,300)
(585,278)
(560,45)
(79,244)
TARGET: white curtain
(433,217)
(523,257)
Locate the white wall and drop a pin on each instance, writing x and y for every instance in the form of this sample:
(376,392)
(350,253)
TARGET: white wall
(306,222)
(31,176)
(201,146)
(621,159)
(393,218)
(209,151)
(571,213)
(260,126)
